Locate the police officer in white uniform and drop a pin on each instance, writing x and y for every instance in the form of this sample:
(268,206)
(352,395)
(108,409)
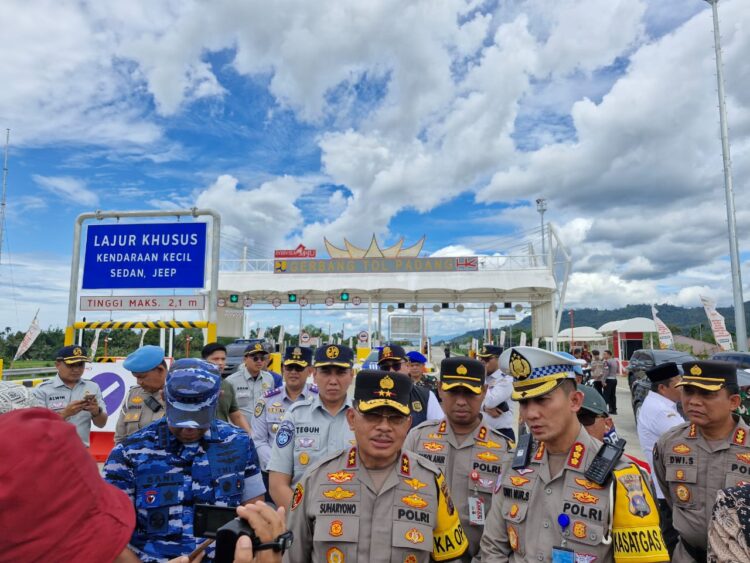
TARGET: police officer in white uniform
(498,408)
(657,415)
(78,401)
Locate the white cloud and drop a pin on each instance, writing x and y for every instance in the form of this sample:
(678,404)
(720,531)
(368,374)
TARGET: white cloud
(69,189)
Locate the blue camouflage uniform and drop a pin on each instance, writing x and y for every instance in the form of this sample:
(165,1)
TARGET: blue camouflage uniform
(165,477)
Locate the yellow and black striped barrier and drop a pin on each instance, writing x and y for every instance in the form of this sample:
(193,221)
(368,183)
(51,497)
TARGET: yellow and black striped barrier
(126,325)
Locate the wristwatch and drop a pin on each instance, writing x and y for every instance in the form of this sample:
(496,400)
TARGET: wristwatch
(280,544)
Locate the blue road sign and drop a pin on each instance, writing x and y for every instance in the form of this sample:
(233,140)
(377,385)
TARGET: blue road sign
(147,255)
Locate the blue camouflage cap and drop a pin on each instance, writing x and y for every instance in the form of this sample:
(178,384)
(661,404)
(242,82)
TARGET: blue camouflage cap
(192,393)
(144,359)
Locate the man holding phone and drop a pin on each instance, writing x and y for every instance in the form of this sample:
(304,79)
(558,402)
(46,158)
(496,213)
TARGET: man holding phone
(78,401)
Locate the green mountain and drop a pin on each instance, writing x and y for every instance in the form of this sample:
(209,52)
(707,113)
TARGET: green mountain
(688,321)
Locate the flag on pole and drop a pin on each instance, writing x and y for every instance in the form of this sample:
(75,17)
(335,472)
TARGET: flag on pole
(666,340)
(721,334)
(95,343)
(29,338)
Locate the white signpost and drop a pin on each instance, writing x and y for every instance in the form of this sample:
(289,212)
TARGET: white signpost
(363,336)
(304,338)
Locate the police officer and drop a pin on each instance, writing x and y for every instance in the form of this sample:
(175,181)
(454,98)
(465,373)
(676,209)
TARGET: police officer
(77,400)
(424,404)
(497,406)
(694,460)
(296,367)
(144,402)
(415,363)
(227,410)
(468,451)
(184,458)
(376,501)
(314,427)
(545,508)
(250,381)
(657,415)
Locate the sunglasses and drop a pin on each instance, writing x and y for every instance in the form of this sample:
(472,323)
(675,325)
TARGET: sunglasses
(294,367)
(257,357)
(390,366)
(487,359)
(589,419)
(393,419)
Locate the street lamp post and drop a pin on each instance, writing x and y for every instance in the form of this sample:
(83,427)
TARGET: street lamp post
(734,254)
(541,207)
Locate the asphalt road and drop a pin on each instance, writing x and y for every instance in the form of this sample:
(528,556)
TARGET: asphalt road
(625,420)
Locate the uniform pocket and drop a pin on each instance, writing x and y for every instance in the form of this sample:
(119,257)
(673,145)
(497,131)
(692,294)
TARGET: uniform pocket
(160,510)
(411,539)
(336,538)
(585,532)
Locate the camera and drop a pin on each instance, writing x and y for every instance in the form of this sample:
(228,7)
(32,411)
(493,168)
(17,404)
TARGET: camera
(222,524)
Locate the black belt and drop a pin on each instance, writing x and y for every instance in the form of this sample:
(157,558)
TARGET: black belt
(696,553)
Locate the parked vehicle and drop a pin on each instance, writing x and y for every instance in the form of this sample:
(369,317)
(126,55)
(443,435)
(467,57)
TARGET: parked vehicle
(643,360)
(236,353)
(739,359)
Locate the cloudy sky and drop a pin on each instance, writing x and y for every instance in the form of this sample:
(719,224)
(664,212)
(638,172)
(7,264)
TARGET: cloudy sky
(298,120)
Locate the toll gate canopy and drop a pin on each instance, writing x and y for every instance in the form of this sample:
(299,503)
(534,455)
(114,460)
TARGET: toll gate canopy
(531,278)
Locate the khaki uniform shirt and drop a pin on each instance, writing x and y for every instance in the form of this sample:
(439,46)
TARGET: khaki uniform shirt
(248,390)
(136,412)
(471,469)
(338,515)
(307,433)
(269,412)
(55,395)
(522,524)
(691,472)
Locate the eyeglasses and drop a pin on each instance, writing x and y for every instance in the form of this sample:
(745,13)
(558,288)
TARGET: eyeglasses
(294,367)
(256,357)
(589,418)
(390,366)
(374,418)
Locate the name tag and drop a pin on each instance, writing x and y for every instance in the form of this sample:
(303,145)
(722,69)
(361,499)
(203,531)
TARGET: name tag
(476,511)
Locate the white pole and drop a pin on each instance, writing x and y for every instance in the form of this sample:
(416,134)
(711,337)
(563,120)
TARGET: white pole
(734,254)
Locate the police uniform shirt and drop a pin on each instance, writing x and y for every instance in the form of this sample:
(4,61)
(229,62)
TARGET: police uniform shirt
(522,524)
(691,471)
(268,414)
(306,434)
(338,514)
(55,395)
(166,478)
(471,468)
(499,389)
(249,390)
(657,415)
(137,411)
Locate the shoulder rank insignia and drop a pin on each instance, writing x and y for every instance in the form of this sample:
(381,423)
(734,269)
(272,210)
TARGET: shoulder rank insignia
(576,455)
(539,452)
(442,427)
(739,437)
(482,434)
(351,458)
(405,467)
(692,432)
(272,392)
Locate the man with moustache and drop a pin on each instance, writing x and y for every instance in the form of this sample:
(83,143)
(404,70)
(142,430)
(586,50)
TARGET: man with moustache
(376,501)
(696,459)
(314,427)
(463,446)
(250,381)
(545,508)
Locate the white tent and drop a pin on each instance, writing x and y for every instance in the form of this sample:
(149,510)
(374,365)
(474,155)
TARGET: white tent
(580,334)
(636,324)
